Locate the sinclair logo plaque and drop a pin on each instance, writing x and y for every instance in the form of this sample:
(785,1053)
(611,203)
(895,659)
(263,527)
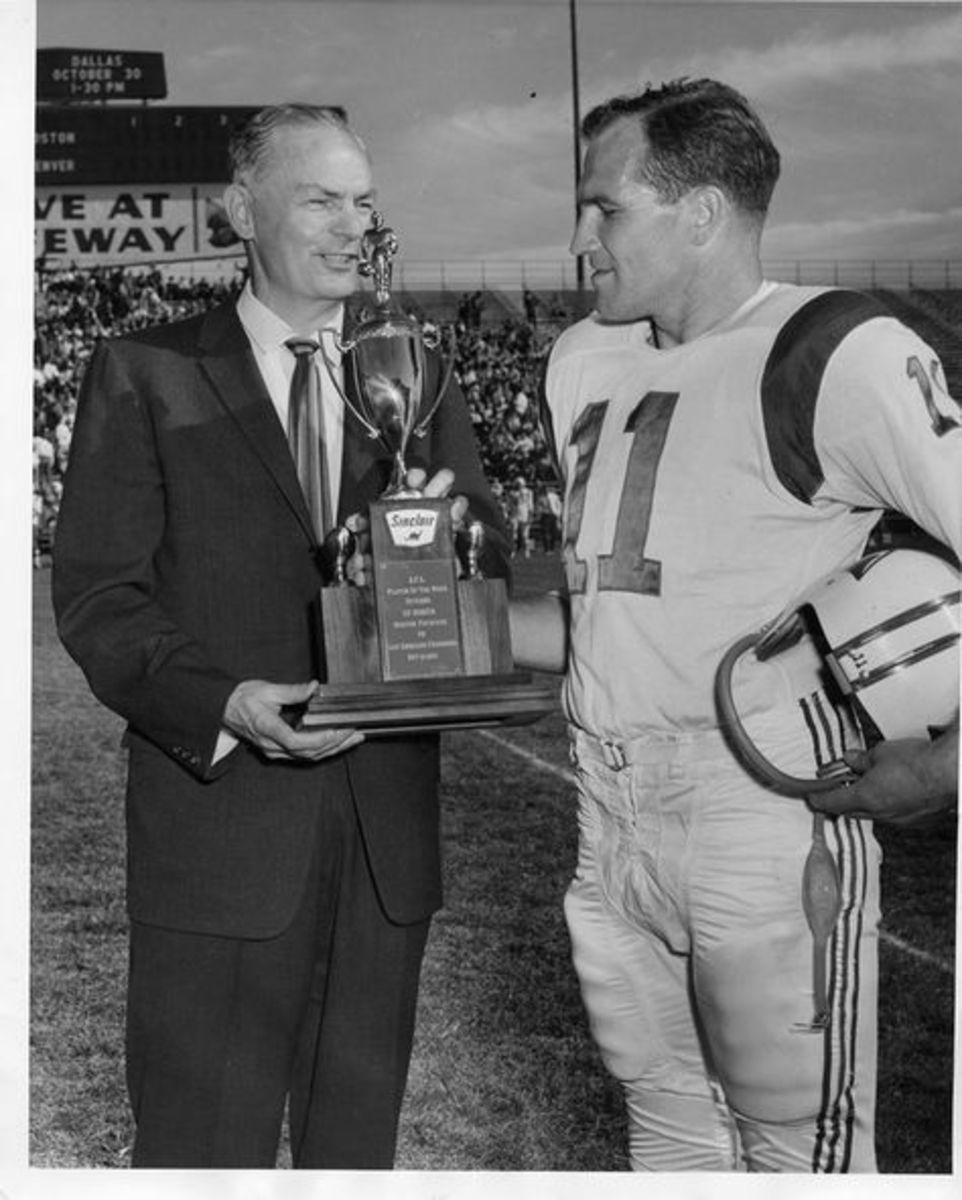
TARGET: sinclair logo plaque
(416,595)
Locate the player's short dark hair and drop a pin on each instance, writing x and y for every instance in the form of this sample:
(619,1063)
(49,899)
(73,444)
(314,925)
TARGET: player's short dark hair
(249,143)
(698,132)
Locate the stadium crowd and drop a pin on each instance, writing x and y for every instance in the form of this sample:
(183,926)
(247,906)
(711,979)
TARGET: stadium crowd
(498,367)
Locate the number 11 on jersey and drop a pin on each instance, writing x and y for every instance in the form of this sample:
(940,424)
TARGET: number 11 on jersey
(625,568)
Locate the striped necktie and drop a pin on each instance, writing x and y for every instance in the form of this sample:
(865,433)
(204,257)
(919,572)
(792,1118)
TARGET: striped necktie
(305,432)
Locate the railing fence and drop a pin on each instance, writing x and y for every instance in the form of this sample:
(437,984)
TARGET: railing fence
(453,275)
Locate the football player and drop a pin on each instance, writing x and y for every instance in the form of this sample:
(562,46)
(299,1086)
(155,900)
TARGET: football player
(724,440)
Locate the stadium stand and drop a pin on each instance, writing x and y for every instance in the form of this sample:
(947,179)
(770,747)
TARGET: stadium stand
(499,357)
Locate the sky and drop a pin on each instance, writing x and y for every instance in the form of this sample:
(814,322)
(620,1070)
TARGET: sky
(466,105)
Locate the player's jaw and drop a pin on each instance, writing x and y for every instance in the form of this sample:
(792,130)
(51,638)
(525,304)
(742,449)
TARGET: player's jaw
(613,300)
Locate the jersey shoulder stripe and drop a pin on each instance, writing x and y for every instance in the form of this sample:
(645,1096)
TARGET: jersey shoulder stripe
(792,379)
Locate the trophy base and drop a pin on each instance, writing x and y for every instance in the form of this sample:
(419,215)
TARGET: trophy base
(425,705)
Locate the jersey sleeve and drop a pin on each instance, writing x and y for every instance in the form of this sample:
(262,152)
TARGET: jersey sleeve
(546,424)
(886,432)
(559,395)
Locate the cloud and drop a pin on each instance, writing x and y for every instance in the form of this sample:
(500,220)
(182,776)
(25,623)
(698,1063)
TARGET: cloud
(809,57)
(898,233)
(513,127)
(224,52)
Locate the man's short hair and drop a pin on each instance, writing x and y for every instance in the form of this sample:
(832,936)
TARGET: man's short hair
(698,132)
(249,143)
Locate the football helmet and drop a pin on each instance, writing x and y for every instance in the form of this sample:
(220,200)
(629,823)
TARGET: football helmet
(886,632)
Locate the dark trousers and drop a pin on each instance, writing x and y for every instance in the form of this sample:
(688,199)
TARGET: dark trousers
(221,1031)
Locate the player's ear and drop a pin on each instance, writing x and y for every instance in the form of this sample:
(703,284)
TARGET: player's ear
(239,206)
(709,207)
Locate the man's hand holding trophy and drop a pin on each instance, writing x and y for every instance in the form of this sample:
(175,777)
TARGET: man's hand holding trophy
(415,637)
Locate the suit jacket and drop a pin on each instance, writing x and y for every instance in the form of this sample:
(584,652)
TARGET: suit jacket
(184,563)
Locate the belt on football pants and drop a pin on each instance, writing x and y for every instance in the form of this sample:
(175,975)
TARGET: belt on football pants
(655,746)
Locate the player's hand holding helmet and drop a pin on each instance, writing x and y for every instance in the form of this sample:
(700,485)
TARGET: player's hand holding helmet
(887,631)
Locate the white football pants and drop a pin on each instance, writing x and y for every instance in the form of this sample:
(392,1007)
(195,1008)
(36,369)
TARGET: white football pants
(696,962)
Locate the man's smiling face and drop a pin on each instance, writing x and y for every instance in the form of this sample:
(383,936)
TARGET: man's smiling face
(309,204)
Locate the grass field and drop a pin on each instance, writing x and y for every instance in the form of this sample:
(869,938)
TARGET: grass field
(504,1076)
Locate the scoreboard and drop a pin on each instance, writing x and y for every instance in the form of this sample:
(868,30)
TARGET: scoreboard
(77,144)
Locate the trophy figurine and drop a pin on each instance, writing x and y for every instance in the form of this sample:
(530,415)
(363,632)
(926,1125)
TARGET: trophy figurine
(426,645)
(386,358)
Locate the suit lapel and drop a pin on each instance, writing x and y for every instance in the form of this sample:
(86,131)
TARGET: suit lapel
(228,362)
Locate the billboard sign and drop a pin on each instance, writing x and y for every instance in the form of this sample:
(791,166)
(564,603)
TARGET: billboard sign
(65,74)
(125,225)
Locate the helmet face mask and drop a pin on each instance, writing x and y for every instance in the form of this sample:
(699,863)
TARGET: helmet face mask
(891,623)
(886,631)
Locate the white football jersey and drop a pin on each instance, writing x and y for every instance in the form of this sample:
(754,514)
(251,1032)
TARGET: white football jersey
(709,484)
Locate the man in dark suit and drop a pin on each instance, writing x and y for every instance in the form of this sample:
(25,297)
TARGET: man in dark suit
(280,882)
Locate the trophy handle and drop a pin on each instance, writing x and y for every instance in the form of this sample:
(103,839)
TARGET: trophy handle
(371,430)
(432,341)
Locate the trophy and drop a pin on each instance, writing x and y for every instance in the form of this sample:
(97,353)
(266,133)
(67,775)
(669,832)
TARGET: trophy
(426,644)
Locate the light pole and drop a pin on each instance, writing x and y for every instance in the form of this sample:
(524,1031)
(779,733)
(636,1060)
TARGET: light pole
(576,127)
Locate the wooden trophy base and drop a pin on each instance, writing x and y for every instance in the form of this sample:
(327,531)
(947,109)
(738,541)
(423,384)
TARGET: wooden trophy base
(423,705)
(420,649)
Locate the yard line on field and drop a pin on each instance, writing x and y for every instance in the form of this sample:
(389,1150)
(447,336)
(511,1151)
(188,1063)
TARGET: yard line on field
(568,776)
(535,760)
(933,960)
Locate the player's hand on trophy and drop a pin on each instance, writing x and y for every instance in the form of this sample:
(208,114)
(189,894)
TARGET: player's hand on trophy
(259,713)
(357,567)
(438,486)
(345,554)
(901,782)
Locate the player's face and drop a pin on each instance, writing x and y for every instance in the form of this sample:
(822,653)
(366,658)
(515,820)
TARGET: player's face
(637,244)
(309,206)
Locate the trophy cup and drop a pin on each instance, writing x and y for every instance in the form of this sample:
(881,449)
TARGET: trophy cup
(426,645)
